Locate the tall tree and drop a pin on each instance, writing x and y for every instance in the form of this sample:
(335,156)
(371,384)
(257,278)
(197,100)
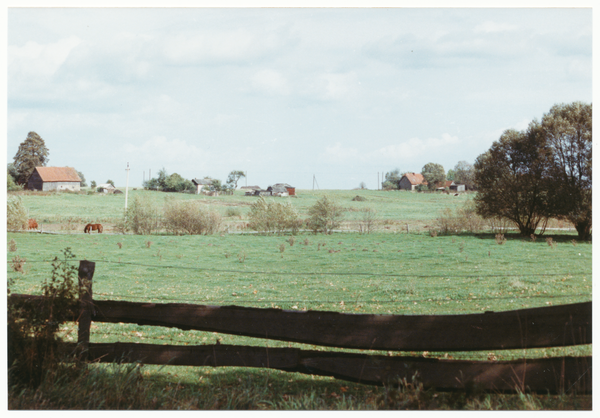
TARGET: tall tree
(32,153)
(234,177)
(464,173)
(512,179)
(568,132)
(433,174)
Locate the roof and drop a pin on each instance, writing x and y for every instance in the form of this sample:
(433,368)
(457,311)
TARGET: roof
(106,186)
(203,182)
(58,174)
(415,178)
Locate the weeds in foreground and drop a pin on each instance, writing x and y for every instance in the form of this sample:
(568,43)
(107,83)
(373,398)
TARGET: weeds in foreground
(34,350)
(17,264)
(12,246)
(134,386)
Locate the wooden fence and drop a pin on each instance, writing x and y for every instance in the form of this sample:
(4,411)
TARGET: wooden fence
(554,326)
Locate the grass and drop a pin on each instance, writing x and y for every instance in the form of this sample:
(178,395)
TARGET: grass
(387,272)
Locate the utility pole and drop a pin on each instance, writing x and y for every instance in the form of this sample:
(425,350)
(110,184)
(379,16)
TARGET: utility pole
(127,185)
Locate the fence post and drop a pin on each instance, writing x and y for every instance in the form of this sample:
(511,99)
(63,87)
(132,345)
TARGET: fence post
(86,273)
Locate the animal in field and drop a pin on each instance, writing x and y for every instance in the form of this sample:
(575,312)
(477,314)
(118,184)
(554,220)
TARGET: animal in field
(32,224)
(92,227)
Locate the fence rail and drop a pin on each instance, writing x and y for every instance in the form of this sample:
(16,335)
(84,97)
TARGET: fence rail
(554,326)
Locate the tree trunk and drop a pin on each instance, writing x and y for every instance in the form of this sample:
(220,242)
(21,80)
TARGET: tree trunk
(584,229)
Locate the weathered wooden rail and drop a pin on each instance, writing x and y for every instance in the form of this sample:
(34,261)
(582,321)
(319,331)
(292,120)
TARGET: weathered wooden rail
(554,326)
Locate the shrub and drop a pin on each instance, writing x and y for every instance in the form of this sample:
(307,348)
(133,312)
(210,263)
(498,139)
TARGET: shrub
(231,212)
(463,219)
(186,217)
(368,220)
(271,216)
(34,349)
(325,215)
(141,217)
(11,186)
(16,214)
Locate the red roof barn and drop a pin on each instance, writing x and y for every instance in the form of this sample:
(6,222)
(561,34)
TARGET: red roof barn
(54,178)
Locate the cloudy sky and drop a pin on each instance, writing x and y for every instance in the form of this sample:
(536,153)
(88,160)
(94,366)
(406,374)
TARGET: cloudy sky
(285,94)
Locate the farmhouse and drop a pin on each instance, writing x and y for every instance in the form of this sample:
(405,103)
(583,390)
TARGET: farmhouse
(282,189)
(202,183)
(410,181)
(54,178)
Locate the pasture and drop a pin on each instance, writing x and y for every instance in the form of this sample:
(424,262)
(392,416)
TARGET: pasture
(389,271)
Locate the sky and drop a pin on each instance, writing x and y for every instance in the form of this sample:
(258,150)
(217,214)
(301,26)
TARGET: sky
(325,98)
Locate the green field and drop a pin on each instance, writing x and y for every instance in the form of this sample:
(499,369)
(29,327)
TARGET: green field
(389,271)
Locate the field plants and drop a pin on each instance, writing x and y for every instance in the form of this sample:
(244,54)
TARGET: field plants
(187,217)
(325,215)
(387,271)
(16,214)
(142,217)
(461,219)
(33,345)
(274,217)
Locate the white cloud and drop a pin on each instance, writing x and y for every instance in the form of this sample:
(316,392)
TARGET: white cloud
(36,59)
(339,154)
(165,152)
(494,27)
(415,148)
(270,81)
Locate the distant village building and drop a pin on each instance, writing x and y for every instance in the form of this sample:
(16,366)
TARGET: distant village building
(106,188)
(54,178)
(410,181)
(457,188)
(202,183)
(282,189)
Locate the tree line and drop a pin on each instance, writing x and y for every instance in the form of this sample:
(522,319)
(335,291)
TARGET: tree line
(528,177)
(540,173)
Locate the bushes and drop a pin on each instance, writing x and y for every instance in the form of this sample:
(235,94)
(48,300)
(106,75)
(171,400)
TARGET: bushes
(462,219)
(141,217)
(325,215)
(276,217)
(34,351)
(186,217)
(16,214)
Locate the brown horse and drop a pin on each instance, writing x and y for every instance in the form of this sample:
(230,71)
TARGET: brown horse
(92,227)
(32,224)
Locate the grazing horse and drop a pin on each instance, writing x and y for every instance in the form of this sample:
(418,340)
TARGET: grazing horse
(92,227)
(32,224)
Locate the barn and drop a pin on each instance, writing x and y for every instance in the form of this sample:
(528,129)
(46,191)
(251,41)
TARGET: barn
(54,178)
(410,181)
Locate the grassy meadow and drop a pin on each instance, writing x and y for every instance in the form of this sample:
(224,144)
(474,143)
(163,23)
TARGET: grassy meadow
(389,271)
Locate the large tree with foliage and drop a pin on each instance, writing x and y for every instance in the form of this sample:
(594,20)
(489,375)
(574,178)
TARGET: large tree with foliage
(464,173)
(32,153)
(392,180)
(567,129)
(433,174)
(512,179)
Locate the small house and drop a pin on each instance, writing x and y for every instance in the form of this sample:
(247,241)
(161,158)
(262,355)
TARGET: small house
(458,188)
(282,189)
(202,183)
(54,178)
(410,181)
(106,188)
(443,185)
